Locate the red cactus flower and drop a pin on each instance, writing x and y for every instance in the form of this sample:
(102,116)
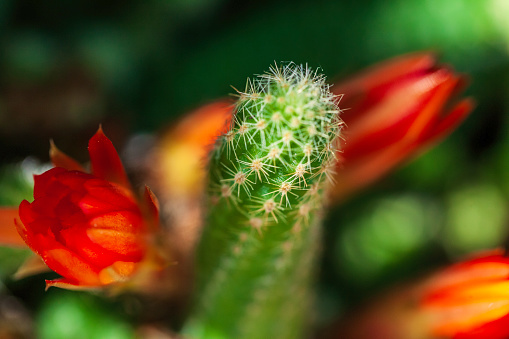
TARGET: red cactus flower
(394,111)
(89,228)
(470,300)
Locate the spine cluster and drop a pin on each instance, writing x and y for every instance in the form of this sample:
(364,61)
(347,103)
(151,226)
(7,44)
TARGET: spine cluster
(280,147)
(267,177)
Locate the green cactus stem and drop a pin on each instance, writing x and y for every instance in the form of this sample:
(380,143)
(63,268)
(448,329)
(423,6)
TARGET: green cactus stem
(267,179)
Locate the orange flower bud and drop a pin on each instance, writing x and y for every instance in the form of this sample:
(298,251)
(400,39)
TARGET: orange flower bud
(182,152)
(89,228)
(470,300)
(392,112)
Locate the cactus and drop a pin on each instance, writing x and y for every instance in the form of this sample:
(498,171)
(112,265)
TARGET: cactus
(267,177)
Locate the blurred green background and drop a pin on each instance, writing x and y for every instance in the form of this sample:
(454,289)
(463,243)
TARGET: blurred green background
(135,66)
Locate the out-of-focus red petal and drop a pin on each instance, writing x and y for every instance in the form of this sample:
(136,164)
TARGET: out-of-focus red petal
(387,71)
(397,111)
(452,120)
(493,330)
(182,151)
(488,266)
(468,299)
(9,236)
(105,161)
(60,159)
(367,89)
(429,115)
(359,144)
(494,291)
(360,169)
(361,172)
(467,318)
(409,109)
(204,125)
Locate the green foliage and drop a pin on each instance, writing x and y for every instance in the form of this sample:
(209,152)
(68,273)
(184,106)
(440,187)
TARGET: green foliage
(267,178)
(388,232)
(79,316)
(11,259)
(476,219)
(15,182)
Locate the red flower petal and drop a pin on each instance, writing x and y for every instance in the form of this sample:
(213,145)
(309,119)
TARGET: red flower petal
(73,180)
(118,272)
(43,181)
(394,111)
(60,159)
(452,120)
(66,262)
(493,330)
(386,72)
(111,194)
(120,242)
(93,206)
(444,83)
(469,299)
(102,252)
(105,161)
(88,228)
(118,220)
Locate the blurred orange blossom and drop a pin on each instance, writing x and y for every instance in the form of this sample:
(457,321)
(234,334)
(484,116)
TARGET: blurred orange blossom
(470,300)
